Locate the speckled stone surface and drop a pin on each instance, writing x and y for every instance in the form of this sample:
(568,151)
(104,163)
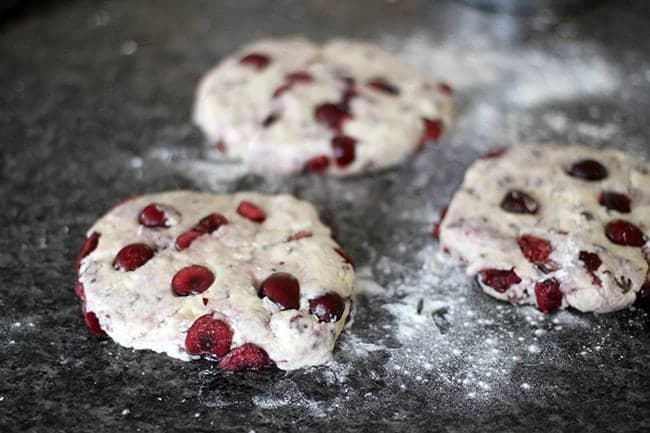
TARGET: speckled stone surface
(95,107)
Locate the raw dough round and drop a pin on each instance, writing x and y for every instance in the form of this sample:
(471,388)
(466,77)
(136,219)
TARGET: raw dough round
(155,265)
(554,226)
(345,107)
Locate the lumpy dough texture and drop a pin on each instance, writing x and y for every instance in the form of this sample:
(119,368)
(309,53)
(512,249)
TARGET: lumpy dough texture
(183,273)
(554,226)
(341,108)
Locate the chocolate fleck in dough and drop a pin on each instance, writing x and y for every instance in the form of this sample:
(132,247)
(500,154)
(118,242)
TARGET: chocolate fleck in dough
(345,107)
(554,226)
(247,279)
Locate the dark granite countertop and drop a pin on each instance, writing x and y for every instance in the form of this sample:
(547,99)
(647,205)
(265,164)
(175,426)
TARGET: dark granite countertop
(94,107)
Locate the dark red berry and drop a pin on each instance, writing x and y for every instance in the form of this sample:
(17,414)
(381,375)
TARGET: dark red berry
(591,260)
(432,131)
(328,307)
(93,323)
(495,153)
(184,240)
(246,357)
(624,233)
(208,336)
(280,90)
(588,169)
(384,86)
(436,225)
(516,201)
(299,235)
(250,211)
(499,279)
(192,280)
(344,149)
(153,215)
(345,255)
(255,60)
(283,289)
(210,223)
(331,115)
(221,146)
(317,164)
(548,294)
(615,201)
(132,257)
(88,247)
(535,249)
(445,89)
(299,77)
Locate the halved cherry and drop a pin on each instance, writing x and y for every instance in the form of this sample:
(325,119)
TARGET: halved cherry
(516,201)
(192,280)
(345,255)
(299,77)
(624,233)
(153,215)
(384,86)
(344,150)
(184,240)
(89,245)
(251,211)
(433,129)
(615,201)
(548,294)
(535,249)
(256,60)
(591,260)
(317,164)
(588,169)
(132,257)
(283,289)
(332,115)
(93,323)
(208,336)
(246,357)
(328,307)
(210,223)
(499,279)
(299,235)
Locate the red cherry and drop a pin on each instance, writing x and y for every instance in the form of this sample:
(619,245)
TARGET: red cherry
(436,225)
(153,215)
(255,60)
(280,90)
(548,294)
(317,164)
(344,149)
(208,336)
(299,235)
(328,307)
(615,201)
(246,357)
(516,201)
(346,256)
(445,89)
(132,257)
(283,289)
(92,322)
(588,169)
(192,280)
(433,129)
(299,77)
(384,86)
(221,146)
(210,223)
(331,115)
(184,240)
(495,153)
(250,211)
(624,233)
(88,247)
(499,279)
(535,249)
(591,260)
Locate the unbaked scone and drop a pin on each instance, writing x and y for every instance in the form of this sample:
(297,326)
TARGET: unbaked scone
(248,279)
(554,226)
(344,107)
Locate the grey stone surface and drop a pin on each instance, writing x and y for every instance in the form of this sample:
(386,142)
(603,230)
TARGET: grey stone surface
(94,107)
